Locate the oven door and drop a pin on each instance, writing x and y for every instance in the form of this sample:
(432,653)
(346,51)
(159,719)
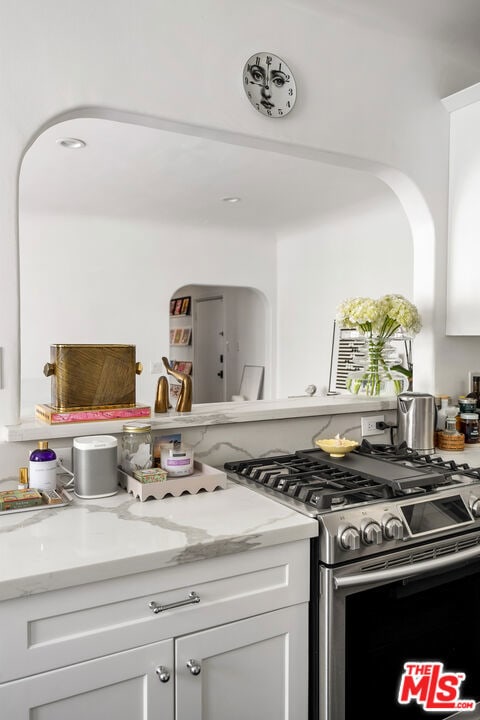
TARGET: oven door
(418,607)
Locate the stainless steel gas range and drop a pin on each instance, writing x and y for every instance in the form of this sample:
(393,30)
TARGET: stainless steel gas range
(395,578)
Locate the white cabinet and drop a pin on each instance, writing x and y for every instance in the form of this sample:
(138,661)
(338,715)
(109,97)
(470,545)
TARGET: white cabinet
(252,669)
(124,686)
(463,316)
(94,651)
(247,670)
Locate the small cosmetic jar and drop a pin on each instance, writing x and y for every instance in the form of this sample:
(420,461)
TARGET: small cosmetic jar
(177,459)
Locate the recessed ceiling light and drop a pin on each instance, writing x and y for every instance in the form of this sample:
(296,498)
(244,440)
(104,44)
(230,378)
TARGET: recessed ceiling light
(231,199)
(71,143)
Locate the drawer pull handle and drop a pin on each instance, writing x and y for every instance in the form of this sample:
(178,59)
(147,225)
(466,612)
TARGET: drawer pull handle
(163,673)
(192,599)
(194,667)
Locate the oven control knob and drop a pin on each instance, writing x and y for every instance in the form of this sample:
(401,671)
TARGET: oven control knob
(372,533)
(393,528)
(349,539)
(475,507)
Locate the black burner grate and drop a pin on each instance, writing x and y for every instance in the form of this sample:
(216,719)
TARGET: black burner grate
(312,477)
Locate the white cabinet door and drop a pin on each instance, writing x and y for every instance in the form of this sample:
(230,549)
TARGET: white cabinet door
(249,670)
(124,686)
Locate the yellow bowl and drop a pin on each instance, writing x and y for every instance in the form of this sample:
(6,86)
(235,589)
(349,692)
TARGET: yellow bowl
(337,448)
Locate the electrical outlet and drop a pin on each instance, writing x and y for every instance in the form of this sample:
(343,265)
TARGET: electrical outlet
(156,367)
(369,425)
(64,454)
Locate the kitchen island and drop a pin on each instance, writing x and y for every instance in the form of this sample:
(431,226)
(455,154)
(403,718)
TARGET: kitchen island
(168,608)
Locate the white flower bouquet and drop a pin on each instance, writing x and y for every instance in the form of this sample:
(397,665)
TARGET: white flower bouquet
(383,317)
(379,320)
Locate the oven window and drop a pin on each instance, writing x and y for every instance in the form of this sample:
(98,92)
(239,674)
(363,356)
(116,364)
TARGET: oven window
(435,514)
(433,619)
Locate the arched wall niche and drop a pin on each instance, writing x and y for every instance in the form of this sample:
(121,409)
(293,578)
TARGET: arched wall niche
(247,260)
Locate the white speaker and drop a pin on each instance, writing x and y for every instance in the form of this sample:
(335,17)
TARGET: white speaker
(95,466)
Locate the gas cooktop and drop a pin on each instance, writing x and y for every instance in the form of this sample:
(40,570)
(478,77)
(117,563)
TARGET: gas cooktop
(368,474)
(377,498)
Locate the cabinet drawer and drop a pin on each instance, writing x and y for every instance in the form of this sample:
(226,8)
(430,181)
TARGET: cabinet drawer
(58,628)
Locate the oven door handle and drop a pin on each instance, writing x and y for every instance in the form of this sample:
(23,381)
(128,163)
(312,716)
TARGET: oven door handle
(404,571)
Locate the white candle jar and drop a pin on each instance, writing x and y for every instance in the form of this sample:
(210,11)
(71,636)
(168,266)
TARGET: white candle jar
(177,460)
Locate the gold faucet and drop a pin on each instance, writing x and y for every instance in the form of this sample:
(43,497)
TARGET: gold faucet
(162,402)
(184,402)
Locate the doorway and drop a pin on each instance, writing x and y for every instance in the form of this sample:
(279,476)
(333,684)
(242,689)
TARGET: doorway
(209,350)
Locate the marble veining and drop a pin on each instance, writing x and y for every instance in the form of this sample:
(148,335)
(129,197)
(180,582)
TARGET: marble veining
(94,540)
(98,539)
(323,432)
(212,414)
(229,546)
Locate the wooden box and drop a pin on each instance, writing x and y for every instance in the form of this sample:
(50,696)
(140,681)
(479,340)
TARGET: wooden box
(92,376)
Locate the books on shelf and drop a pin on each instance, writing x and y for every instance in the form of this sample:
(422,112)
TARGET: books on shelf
(180,306)
(183,366)
(180,336)
(46,413)
(185,336)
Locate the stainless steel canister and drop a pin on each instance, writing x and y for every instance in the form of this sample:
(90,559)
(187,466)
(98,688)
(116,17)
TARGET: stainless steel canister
(416,415)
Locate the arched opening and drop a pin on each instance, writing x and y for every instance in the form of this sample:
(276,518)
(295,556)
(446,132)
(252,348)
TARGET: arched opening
(217,331)
(135,259)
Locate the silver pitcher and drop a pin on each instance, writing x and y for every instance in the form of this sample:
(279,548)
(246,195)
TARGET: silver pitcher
(416,420)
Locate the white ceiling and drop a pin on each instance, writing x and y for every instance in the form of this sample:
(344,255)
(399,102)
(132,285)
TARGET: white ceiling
(131,171)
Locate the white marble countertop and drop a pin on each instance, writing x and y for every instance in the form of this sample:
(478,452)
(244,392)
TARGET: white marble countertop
(470,455)
(92,540)
(207,414)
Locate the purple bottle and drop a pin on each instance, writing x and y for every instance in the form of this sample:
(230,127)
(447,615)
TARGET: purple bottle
(43,467)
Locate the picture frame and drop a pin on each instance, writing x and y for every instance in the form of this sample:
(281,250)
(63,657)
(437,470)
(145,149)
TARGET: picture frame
(185,307)
(252,382)
(172,306)
(346,343)
(178,306)
(185,336)
(183,366)
(187,369)
(177,336)
(175,390)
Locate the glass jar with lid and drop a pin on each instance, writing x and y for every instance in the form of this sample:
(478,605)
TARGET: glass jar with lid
(469,427)
(137,448)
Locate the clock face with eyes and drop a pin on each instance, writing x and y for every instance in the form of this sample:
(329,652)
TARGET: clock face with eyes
(269,84)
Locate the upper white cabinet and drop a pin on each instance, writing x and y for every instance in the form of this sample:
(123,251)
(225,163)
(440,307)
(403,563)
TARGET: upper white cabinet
(463,299)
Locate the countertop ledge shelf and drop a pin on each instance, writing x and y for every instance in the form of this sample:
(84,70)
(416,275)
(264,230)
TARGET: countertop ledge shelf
(206,414)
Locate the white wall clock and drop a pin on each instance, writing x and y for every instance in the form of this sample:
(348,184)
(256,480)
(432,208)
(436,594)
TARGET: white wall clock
(269,84)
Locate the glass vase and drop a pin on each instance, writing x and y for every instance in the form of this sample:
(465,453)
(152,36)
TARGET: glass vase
(375,376)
